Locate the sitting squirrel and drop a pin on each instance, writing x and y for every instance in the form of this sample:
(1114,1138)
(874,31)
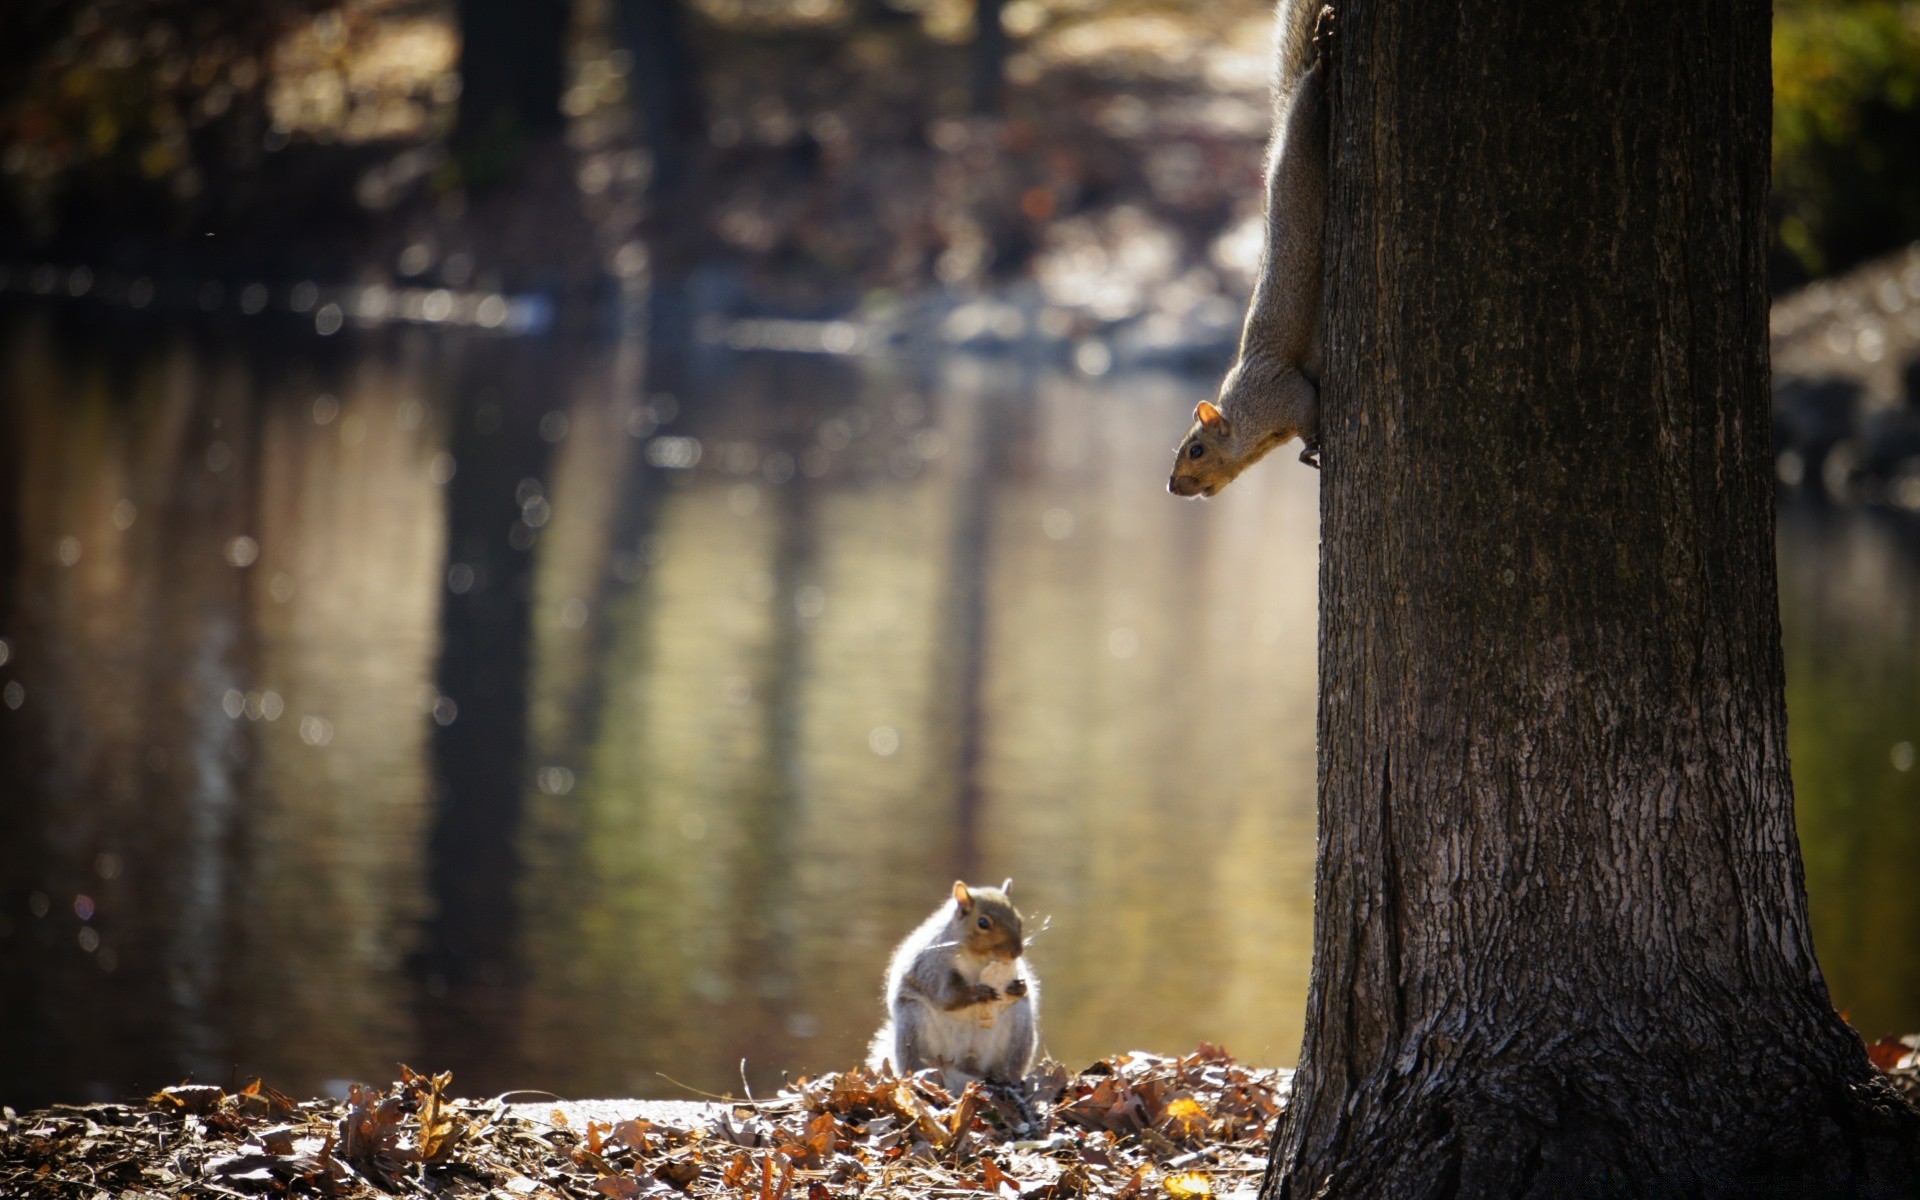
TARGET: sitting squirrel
(959,994)
(1271,394)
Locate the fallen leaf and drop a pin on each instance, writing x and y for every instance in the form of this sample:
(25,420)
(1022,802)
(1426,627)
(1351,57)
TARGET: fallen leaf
(441,1129)
(371,1125)
(1187,1185)
(680,1172)
(737,1172)
(995,1178)
(260,1094)
(196,1098)
(923,1120)
(1185,1118)
(619,1187)
(278,1140)
(632,1134)
(1887,1053)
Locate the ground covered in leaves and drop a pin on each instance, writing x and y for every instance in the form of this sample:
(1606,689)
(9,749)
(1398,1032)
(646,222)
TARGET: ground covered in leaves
(1132,1126)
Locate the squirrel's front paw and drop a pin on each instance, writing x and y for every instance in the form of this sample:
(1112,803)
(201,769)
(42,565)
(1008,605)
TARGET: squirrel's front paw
(1324,27)
(982,994)
(1017,989)
(1310,455)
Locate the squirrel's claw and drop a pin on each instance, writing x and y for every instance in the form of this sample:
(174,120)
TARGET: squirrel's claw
(1325,26)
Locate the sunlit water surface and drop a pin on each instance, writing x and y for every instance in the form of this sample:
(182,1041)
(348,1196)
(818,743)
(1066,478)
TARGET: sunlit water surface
(592,721)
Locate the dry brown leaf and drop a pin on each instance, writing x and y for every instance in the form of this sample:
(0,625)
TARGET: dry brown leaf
(738,1171)
(441,1128)
(961,1119)
(823,1135)
(920,1116)
(620,1187)
(768,1189)
(633,1134)
(679,1172)
(371,1125)
(995,1178)
(1887,1053)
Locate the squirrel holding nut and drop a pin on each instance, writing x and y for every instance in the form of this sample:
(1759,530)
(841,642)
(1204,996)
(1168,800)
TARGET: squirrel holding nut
(1271,394)
(960,994)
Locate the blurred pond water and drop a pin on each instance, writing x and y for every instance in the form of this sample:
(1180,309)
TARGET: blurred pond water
(588,721)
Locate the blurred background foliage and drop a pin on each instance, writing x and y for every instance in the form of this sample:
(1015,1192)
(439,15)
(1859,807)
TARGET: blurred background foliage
(820,152)
(1846,132)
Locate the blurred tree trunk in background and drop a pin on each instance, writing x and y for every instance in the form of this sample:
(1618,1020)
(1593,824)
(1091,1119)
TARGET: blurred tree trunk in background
(989,64)
(1561,941)
(666,90)
(512,72)
(672,118)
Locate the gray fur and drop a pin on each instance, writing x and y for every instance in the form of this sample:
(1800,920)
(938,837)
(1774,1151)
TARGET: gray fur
(945,1010)
(1271,393)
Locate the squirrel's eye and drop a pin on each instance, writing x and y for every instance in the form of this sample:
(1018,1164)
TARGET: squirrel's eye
(1196,450)
(984,923)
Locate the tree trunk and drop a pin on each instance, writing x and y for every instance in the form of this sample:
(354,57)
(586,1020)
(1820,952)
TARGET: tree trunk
(1561,943)
(987,63)
(666,90)
(512,69)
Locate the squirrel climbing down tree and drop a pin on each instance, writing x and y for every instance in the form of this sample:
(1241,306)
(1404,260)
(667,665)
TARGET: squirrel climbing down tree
(1271,394)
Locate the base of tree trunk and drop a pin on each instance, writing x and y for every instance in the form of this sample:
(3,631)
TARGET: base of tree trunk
(1524,1129)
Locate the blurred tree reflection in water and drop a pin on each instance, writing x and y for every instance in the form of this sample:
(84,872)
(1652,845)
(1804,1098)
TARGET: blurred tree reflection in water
(500,404)
(197,557)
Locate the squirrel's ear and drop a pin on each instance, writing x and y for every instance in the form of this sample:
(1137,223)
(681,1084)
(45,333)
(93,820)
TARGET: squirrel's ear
(1006,886)
(960,895)
(1209,414)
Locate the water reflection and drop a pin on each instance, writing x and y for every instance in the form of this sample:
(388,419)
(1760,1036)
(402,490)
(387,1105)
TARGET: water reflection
(1850,607)
(585,717)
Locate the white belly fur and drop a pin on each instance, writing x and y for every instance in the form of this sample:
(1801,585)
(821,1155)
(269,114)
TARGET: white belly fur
(971,1037)
(978,1034)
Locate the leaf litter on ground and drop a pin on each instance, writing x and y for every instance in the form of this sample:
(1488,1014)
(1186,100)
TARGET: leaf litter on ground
(1131,1127)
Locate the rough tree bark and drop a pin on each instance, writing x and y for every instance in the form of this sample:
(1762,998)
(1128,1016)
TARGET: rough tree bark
(1561,942)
